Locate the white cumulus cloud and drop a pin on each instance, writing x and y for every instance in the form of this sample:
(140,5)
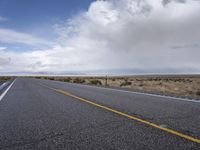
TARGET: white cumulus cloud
(2,48)
(12,36)
(148,35)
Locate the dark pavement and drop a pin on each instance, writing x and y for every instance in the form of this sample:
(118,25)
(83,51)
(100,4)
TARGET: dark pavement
(35,117)
(3,85)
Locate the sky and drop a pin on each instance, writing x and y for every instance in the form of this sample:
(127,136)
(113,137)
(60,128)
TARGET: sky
(103,36)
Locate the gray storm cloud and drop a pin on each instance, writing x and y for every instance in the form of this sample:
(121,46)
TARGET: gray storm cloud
(149,36)
(165,2)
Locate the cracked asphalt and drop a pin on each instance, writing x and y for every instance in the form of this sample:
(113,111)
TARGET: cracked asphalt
(34,117)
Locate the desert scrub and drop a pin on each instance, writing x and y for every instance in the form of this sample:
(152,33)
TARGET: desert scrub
(113,79)
(78,80)
(4,78)
(126,83)
(95,82)
(45,78)
(141,84)
(51,78)
(198,93)
(67,79)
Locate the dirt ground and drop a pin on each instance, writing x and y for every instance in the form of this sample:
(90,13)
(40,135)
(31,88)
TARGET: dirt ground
(187,86)
(184,85)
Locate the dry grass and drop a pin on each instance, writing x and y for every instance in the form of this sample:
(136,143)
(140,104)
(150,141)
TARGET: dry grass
(186,85)
(95,82)
(4,78)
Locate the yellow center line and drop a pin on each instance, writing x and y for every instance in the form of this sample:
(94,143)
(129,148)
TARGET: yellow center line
(126,115)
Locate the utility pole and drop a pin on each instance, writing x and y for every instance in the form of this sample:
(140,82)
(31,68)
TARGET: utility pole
(106,83)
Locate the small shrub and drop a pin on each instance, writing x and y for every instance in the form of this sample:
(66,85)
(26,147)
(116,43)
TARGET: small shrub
(125,79)
(189,81)
(141,84)
(67,79)
(44,77)
(167,80)
(126,83)
(190,92)
(138,80)
(150,79)
(198,93)
(95,82)
(78,80)
(113,79)
(5,78)
(59,79)
(156,79)
(51,78)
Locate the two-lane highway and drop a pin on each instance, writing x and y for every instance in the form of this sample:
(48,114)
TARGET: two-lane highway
(43,114)
(3,86)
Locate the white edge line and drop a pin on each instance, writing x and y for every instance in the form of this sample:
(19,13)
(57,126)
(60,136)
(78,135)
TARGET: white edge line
(163,96)
(147,94)
(1,86)
(4,93)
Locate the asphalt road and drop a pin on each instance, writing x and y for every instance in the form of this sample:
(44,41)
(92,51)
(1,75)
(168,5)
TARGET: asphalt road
(43,114)
(3,85)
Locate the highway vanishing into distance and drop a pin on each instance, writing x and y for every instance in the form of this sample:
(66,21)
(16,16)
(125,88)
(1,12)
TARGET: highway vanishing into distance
(50,115)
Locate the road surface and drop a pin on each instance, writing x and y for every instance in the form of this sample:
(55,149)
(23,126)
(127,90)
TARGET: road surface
(3,85)
(43,114)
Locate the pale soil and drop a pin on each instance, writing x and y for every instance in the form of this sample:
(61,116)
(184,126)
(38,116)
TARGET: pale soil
(185,85)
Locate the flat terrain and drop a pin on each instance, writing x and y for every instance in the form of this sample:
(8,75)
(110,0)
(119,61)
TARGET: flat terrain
(175,85)
(44,114)
(4,78)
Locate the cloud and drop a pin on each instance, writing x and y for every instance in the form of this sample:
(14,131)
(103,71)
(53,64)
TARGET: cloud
(151,36)
(3,19)
(187,46)
(11,36)
(2,48)
(165,2)
(136,34)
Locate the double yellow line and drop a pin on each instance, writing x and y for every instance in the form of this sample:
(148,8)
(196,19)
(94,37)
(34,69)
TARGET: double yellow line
(126,115)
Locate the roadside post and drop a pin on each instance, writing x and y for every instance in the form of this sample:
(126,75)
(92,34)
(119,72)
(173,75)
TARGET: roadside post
(106,83)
